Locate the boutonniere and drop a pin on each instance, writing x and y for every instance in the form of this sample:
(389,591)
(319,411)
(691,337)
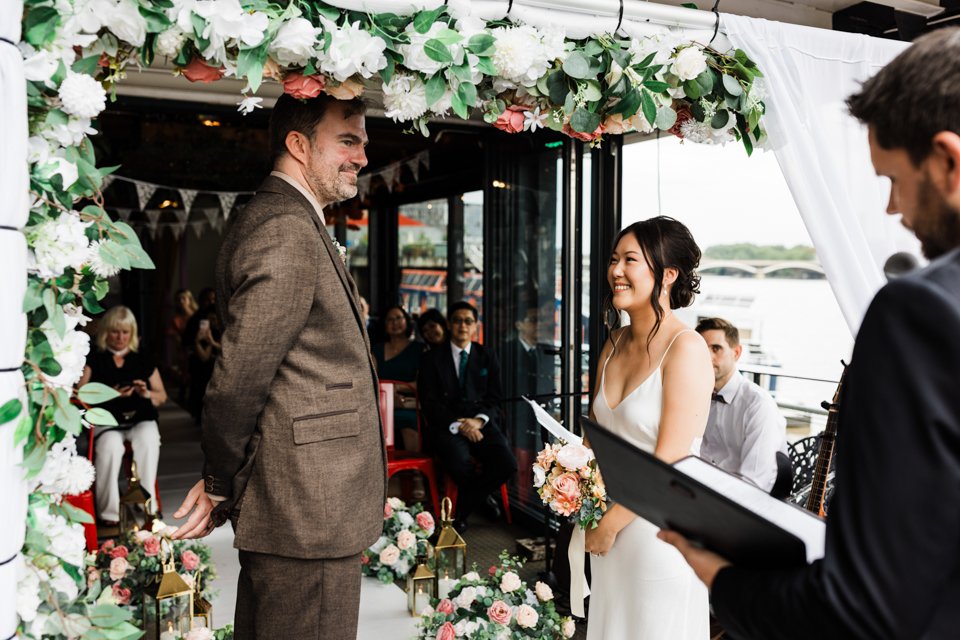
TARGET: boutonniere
(341,251)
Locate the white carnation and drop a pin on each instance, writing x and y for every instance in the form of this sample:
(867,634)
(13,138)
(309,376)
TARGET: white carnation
(82,96)
(295,42)
(100,266)
(170,41)
(414,54)
(59,243)
(352,51)
(70,352)
(125,22)
(64,472)
(689,63)
(404,97)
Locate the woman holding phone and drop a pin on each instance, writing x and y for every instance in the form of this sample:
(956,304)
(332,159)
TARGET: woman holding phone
(116,362)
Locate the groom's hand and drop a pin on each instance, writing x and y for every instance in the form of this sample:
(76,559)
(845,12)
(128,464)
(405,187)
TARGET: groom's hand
(198,524)
(706,564)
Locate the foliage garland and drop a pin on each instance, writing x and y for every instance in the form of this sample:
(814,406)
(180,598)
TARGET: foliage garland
(520,77)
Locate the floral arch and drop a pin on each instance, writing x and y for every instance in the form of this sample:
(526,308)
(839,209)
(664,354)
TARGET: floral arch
(438,60)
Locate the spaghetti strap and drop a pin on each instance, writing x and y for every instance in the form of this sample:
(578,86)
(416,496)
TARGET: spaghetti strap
(610,355)
(664,356)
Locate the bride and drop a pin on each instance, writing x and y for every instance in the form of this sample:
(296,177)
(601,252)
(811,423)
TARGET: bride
(653,388)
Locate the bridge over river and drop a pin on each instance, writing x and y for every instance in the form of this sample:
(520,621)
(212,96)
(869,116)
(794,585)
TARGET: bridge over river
(762,268)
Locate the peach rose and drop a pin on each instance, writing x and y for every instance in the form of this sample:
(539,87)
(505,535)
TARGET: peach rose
(446,632)
(151,546)
(425,521)
(543,591)
(387,510)
(499,612)
(405,539)
(511,120)
(93,576)
(189,560)
(527,616)
(119,552)
(546,457)
(389,555)
(141,535)
(566,493)
(509,582)
(303,87)
(569,628)
(118,568)
(121,595)
(200,71)
(445,606)
(579,135)
(346,90)
(271,69)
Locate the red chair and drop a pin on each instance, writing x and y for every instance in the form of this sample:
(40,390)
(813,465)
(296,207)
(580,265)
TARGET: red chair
(398,461)
(450,491)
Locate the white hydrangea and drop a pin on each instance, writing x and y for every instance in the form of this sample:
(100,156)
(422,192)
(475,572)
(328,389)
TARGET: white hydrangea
(229,24)
(82,96)
(64,472)
(352,51)
(28,590)
(98,265)
(67,540)
(662,43)
(70,134)
(295,42)
(415,55)
(404,97)
(520,54)
(59,243)
(63,582)
(70,351)
(170,41)
(689,63)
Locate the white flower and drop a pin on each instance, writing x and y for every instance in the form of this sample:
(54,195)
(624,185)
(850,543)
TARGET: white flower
(527,616)
(100,266)
(520,54)
(124,21)
(158,526)
(539,476)
(70,352)
(74,316)
(405,518)
(466,597)
(38,65)
(352,51)
(295,42)
(569,628)
(63,582)
(70,134)
(481,592)
(396,503)
(249,104)
(689,63)
(67,541)
(543,591)
(64,472)
(90,16)
(533,120)
(82,96)
(200,633)
(472,576)
(59,243)
(414,54)
(662,44)
(509,582)
(404,98)
(554,43)
(377,546)
(405,539)
(229,24)
(696,131)
(28,590)
(573,456)
(170,41)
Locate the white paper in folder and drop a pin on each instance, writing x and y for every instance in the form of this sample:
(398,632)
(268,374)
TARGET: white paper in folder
(547,422)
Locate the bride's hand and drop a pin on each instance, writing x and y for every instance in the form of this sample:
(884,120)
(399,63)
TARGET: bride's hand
(599,541)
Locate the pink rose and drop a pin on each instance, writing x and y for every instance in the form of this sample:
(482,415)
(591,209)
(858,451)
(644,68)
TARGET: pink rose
(387,510)
(93,576)
(189,560)
(118,568)
(405,539)
(511,120)
(509,582)
(566,493)
(445,606)
(569,628)
(446,632)
(121,595)
(499,612)
(107,546)
(389,555)
(302,87)
(543,591)
(364,558)
(527,616)
(492,570)
(200,71)
(346,90)
(546,457)
(119,552)
(579,135)
(425,521)
(151,546)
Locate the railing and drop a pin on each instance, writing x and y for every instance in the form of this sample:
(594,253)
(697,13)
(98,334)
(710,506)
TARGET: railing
(802,419)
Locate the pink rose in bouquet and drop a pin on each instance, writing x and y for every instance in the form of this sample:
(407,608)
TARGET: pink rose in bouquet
(387,510)
(445,606)
(121,595)
(500,612)
(425,521)
(303,87)
(200,71)
(151,546)
(405,540)
(107,546)
(189,560)
(527,616)
(119,552)
(546,457)
(511,120)
(566,493)
(389,555)
(118,568)
(446,632)
(574,456)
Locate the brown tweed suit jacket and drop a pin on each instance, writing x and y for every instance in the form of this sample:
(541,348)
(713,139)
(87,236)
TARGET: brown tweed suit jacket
(291,425)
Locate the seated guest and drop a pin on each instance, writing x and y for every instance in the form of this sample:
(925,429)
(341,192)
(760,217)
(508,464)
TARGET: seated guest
(398,359)
(459,385)
(433,328)
(745,430)
(116,362)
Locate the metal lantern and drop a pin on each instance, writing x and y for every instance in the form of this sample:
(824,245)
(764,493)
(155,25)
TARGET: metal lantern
(421,586)
(450,552)
(136,505)
(167,603)
(202,609)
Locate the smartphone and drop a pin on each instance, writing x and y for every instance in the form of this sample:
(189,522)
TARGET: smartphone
(204,325)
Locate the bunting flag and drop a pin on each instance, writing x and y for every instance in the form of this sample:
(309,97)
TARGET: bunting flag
(177,229)
(212,215)
(414,165)
(182,214)
(425,159)
(197,226)
(389,175)
(363,186)
(124,213)
(187,196)
(227,200)
(106,182)
(153,227)
(144,193)
(153,215)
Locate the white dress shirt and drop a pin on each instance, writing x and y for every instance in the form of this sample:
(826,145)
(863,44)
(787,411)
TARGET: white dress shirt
(306,194)
(745,432)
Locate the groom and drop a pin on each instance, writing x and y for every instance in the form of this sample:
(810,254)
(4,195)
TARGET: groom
(291,429)
(892,562)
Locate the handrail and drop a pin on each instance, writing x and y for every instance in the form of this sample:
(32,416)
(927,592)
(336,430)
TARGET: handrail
(781,373)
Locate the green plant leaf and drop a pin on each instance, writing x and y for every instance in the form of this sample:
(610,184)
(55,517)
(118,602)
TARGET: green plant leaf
(101,417)
(67,417)
(720,120)
(40,25)
(33,461)
(10,410)
(705,80)
(557,87)
(74,514)
(481,44)
(458,105)
(448,36)
(437,51)
(689,5)
(648,105)
(656,86)
(628,104)
(157,20)
(468,94)
(592,48)
(250,65)
(580,66)
(691,89)
(666,118)
(112,252)
(96,393)
(591,91)
(33,299)
(425,19)
(436,86)
(87,65)
(124,233)
(486,66)
(732,85)
(584,121)
(139,259)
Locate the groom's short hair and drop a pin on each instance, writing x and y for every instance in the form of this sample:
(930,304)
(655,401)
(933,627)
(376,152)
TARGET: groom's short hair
(293,114)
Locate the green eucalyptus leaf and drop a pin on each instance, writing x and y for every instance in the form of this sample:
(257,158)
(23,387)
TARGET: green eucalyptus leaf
(436,87)
(666,118)
(621,57)
(591,91)
(58,320)
(481,44)
(732,85)
(705,80)
(720,120)
(437,51)
(100,416)
(648,105)
(592,48)
(696,109)
(577,65)
(557,87)
(691,89)
(584,121)
(628,104)
(88,65)
(569,104)
(425,19)
(96,393)
(67,417)
(10,410)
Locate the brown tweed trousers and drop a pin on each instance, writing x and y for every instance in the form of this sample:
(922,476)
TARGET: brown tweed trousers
(291,425)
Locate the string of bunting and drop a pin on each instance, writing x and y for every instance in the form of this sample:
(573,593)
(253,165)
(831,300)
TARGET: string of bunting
(390,174)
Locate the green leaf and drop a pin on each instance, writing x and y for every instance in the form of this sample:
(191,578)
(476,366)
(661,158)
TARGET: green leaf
(24,429)
(113,253)
(656,86)
(438,51)
(10,410)
(648,105)
(139,259)
(96,393)
(579,66)
(250,65)
(436,87)
(689,5)
(123,233)
(40,25)
(643,64)
(49,302)
(753,119)
(157,20)
(666,118)
(705,80)
(584,121)
(100,416)
(34,460)
(76,515)
(732,85)
(557,87)
(67,417)
(592,48)
(448,36)
(481,43)
(90,302)
(468,93)
(33,299)
(425,19)
(720,120)
(50,366)
(692,89)
(696,109)
(88,65)
(628,104)
(485,66)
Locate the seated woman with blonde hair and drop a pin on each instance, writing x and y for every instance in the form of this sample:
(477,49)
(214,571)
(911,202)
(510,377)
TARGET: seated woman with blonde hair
(116,362)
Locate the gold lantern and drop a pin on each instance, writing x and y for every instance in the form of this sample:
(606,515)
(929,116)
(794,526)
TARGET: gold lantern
(136,505)
(421,586)
(202,609)
(167,602)
(450,552)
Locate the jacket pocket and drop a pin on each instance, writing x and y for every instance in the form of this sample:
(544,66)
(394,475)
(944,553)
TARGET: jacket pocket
(330,425)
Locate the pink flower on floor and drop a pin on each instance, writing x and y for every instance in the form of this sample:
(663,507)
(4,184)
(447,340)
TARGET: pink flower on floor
(527,616)
(446,632)
(566,493)
(445,606)
(303,87)
(107,546)
(425,521)
(389,555)
(499,612)
(190,560)
(387,510)
(119,552)
(121,595)
(151,546)
(118,568)
(405,539)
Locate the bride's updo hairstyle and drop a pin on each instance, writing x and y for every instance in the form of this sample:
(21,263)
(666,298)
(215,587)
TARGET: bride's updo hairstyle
(666,244)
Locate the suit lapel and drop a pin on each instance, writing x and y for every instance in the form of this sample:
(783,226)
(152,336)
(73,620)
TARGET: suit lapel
(447,370)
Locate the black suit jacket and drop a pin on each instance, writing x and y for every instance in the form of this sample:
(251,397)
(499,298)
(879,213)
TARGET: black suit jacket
(892,562)
(442,400)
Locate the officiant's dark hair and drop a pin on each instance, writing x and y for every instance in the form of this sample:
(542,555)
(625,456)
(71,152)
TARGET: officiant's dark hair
(914,97)
(292,114)
(666,244)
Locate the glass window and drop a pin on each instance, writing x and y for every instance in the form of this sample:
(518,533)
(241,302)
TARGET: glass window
(422,246)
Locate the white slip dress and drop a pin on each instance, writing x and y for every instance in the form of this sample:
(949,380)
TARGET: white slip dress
(643,589)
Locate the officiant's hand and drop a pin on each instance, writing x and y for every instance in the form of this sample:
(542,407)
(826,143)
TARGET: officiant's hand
(198,524)
(706,564)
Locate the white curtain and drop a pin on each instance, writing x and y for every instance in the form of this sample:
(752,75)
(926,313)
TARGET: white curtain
(823,152)
(14,185)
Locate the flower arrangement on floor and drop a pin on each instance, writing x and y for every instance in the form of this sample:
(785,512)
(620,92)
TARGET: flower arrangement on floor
(494,607)
(568,481)
(394,554)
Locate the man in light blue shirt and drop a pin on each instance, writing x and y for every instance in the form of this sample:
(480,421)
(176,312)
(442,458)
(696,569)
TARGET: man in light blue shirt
(745,429)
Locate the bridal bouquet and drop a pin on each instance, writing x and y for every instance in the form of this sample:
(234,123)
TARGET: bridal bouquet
(498,605)
(568,480)
(405,529)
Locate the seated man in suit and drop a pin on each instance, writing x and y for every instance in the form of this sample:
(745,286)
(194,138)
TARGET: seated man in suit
(745,430)
(459,387)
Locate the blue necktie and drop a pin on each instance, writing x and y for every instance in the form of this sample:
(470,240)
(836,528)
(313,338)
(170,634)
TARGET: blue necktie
(463,367)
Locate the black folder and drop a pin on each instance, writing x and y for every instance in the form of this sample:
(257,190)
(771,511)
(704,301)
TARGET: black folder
(671,499)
